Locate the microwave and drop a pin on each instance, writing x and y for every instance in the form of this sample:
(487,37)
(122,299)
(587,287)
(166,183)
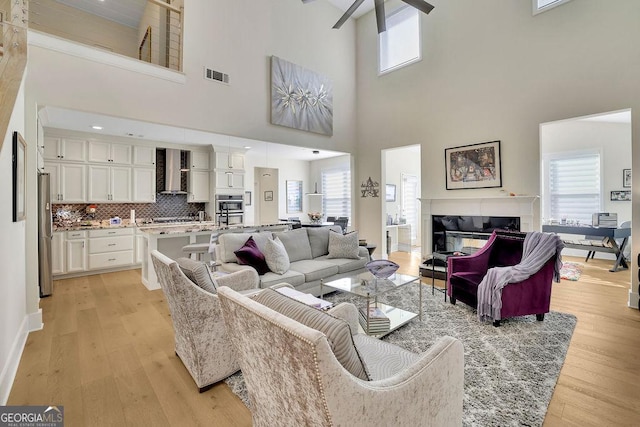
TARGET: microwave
(229,203)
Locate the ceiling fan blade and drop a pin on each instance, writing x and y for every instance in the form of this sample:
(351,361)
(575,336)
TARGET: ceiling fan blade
(421,5)
(306,1)
(348,13)
(380,17)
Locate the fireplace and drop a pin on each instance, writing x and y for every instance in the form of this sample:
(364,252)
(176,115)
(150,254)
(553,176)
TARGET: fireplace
(517,212)
(451,233)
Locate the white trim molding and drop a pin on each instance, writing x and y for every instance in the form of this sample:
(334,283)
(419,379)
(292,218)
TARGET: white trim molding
(10,368)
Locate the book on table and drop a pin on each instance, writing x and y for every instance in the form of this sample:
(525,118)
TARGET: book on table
(378,320)
(305,298)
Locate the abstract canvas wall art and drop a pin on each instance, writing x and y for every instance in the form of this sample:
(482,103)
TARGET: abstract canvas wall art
(300,98)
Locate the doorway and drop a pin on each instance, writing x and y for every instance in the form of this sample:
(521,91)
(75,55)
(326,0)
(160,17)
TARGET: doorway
(585,169)
(401,207)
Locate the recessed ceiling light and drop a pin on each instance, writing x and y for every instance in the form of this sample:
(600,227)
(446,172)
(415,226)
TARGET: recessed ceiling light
(246,147)
(96,127)
(316,152)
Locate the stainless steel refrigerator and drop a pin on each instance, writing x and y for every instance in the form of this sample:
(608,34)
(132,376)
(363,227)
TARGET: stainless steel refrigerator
(45,234)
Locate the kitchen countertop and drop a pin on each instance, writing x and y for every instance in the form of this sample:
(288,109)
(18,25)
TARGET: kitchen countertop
(160,228)
(92,225)
(196,227)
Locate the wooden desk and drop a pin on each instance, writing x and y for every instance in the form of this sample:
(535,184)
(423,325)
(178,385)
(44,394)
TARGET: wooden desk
(612,233)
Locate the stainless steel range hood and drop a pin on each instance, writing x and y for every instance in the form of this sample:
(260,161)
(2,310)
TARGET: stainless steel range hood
(172,173)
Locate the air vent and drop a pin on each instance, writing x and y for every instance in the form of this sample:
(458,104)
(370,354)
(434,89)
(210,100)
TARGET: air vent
(218,76)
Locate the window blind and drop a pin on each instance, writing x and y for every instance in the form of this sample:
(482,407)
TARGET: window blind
(400,44)
(336,190)
(574,187)
(409,203)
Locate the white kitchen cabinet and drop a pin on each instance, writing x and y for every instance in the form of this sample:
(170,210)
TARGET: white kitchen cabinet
(106,152)
(199,160)
(198,186)
(76,253)
(68,149)
(144,156)
(229,180)
(229,160)
(58,253)
(144,185)
(110,248)
(109,184)
(67,182)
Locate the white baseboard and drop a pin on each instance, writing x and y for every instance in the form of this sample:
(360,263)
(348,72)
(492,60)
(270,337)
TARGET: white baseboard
(10,368)
(634,299)
(35,321)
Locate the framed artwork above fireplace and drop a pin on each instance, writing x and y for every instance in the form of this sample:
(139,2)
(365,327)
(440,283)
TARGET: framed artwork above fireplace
(473,166)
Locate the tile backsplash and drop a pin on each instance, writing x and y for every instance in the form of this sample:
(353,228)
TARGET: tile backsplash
(166,205)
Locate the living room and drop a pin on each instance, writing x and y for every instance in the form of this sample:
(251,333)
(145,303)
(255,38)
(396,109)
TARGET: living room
(489,71)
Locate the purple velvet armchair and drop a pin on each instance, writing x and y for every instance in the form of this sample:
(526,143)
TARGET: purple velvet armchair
(531,296)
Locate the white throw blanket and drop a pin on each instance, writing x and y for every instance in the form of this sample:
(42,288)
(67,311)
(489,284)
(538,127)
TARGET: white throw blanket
(537,249)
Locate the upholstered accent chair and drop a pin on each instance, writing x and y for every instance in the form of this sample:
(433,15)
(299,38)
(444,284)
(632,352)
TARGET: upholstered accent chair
(504,248)
(294,378)
(201,340)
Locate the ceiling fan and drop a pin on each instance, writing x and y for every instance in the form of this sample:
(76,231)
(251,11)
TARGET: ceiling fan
(421,5)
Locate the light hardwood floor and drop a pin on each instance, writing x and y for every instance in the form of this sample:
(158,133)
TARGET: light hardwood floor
(106,354)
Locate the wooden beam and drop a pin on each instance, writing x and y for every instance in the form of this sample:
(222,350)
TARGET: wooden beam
(12,66)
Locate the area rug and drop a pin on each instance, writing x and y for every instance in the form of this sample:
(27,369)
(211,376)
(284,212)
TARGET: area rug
(571,271)
(510,371)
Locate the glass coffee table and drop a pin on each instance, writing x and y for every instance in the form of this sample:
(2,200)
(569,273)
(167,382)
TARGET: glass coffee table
(367,286)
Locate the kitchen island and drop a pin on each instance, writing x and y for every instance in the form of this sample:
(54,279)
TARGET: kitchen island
(169,239)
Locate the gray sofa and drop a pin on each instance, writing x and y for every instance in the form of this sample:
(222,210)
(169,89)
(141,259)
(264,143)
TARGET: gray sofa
(308,251)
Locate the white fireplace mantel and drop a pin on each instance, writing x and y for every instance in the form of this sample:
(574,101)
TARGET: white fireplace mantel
(527,208)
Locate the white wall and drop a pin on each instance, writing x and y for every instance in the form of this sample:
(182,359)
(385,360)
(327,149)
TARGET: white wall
(13,307)
(237,37)
(492,71)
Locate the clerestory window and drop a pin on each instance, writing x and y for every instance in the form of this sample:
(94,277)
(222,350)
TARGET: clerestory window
(400,44)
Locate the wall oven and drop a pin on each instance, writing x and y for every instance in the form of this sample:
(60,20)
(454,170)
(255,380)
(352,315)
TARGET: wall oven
(230,219)
(229,209)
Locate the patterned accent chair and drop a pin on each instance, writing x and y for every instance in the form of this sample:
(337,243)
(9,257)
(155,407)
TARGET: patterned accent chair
(504,248)
(201,340)
(294,378)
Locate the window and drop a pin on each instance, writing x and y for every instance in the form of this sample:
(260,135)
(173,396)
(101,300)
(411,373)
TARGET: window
(336,189)
(400,44)
(540,6)
(573,187)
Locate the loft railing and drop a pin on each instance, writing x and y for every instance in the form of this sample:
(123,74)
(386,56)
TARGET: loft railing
(150,33)
(13,60)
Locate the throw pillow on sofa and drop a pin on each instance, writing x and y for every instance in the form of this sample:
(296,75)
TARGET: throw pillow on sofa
(250,255)
(198,273)
(343,245)
(297,244)
(276,256)
(337,330)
